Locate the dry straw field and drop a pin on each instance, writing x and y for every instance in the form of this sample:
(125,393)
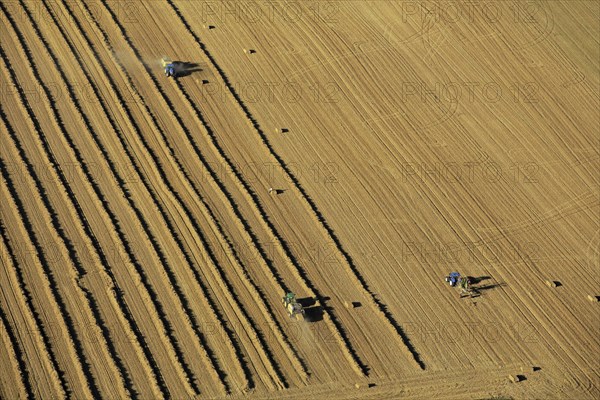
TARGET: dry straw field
(353,152)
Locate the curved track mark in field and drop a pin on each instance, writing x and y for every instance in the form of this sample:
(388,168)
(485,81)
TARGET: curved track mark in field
(16,355)
(310,203)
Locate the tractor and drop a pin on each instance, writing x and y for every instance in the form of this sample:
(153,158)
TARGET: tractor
(463,283)
(169,67)
(294,309)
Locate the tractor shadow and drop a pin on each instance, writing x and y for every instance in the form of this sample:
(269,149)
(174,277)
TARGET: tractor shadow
(488,286)
(475,280)
(312,311)
(183,69)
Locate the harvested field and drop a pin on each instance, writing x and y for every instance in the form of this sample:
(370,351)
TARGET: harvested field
(351,152)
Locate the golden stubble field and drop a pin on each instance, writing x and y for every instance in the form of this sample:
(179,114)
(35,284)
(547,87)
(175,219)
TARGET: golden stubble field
(144,255)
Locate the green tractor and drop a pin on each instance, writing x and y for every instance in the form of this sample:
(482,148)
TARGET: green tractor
(292,306)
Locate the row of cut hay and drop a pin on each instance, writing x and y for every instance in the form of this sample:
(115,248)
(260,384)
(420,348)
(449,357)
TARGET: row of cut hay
(69,325)
(15,354)
(82,165)
(29,311)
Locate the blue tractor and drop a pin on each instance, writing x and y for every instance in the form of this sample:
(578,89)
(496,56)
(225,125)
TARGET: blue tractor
(453,278)
(169,67)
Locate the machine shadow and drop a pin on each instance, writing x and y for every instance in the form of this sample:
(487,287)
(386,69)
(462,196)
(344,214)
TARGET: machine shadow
(183,69)
(312,311)
(488,286)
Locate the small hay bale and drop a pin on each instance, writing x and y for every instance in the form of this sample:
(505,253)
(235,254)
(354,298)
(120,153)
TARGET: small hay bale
(593,299)
(551,284)
(249,51)
(514,378)
(357,385)
(346,304)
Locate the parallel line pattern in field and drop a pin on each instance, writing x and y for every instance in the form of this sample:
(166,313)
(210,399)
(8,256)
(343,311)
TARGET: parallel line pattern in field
(299,274)
(29,312)
(16,357)
(75,262)
(165,216)
(71,144)
(104,152)
(73,348)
